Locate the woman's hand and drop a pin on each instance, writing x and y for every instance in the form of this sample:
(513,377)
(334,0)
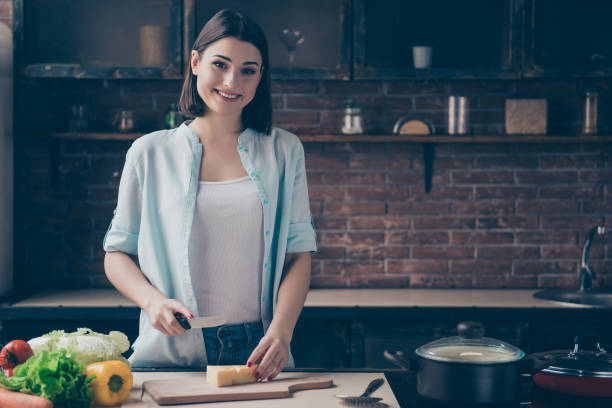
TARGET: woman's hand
(272,354)
(161,313)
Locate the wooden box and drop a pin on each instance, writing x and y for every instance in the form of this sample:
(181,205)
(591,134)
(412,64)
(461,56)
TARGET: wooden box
(526,116)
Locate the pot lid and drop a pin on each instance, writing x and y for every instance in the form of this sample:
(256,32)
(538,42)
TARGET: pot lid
(581,363)
(470,347)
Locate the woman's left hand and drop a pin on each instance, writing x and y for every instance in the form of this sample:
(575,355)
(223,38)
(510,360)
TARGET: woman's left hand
(272,354)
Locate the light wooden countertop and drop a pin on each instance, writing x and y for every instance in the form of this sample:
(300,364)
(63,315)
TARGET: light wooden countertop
(321,298)
(344,383)
(490,298)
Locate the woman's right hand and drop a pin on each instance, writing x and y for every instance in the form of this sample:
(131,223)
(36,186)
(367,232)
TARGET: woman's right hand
(161,313)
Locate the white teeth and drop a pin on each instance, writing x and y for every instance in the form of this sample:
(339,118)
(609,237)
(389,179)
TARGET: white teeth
(227,95)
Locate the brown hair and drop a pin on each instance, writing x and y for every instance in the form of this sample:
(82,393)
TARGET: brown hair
(230,23)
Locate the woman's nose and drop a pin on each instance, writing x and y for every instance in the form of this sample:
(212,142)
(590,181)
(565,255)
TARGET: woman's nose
(230,79)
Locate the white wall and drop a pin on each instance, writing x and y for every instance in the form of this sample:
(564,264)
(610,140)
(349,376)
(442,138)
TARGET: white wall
(6,159)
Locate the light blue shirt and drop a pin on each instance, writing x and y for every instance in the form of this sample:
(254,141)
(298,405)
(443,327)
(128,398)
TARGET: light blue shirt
(154,215)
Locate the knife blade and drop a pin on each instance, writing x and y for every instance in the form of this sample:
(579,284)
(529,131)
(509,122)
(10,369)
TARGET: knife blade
(200,322)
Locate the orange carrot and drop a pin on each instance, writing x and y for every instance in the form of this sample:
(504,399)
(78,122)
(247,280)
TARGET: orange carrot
(12,399)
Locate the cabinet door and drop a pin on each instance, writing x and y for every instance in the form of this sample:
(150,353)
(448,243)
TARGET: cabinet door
(570,37)
(391,334)
(468,38)
(321,343)
(305,39)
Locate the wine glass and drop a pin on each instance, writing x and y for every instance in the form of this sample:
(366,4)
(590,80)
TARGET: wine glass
(291,39)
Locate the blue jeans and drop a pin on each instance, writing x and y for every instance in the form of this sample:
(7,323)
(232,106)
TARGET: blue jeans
(232,344)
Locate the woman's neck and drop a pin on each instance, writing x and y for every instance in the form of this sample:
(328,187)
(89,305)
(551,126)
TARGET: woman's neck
(212,126)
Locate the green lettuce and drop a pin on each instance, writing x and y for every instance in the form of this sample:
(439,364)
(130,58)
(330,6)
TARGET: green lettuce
(85,345)
(55,376)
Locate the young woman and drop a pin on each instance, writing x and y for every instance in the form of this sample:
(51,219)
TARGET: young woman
(217,212)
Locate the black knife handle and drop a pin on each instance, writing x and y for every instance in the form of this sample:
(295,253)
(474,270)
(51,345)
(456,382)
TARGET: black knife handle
(183,321)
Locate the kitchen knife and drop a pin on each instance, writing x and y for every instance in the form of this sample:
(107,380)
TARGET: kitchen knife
(200,322)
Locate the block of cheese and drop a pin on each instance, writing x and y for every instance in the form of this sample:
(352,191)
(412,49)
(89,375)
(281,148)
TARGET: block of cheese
(220,376)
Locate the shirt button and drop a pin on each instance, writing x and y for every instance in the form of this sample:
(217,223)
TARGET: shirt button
(265,201)
(263,298)
(266,265)
(267,233)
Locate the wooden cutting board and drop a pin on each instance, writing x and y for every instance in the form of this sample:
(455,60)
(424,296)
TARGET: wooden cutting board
(192,390)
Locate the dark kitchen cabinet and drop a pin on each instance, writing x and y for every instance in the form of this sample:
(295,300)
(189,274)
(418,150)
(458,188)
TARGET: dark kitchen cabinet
(321,343)
(569,38)
(351,337)
(100,39)
(472,38)
(305,39)
(338,39)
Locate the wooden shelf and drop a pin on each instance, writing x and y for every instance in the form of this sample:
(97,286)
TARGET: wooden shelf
(76,71)
(91,135)
(456,138)
(372,138)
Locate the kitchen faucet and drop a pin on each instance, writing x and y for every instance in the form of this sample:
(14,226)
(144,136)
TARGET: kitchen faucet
(587,276)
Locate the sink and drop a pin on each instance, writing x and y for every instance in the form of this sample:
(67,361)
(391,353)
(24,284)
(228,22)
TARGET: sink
(595,297)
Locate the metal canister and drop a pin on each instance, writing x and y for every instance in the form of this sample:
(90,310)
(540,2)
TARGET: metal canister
(589,117)
(457,115)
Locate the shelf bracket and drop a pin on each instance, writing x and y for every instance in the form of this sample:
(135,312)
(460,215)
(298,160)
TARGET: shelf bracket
(429,153)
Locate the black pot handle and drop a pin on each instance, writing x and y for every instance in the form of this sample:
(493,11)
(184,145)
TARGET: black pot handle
(399,359)
(535,362)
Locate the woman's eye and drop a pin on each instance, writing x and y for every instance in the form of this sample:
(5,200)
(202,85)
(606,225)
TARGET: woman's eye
(248,71)
(219,64)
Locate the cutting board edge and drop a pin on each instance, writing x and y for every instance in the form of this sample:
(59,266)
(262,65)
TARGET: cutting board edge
(221,398)
(324,382)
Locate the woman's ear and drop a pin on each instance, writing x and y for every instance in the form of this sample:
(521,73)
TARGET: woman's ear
(195,60)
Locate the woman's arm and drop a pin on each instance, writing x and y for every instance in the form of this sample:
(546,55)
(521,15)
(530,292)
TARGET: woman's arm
(127,277)
(273,349)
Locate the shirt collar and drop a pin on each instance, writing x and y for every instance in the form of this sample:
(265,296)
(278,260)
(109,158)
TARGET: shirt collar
(244,137)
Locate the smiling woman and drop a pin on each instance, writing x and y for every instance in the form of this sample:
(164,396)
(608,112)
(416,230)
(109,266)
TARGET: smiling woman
(222,78)
(217,211)
(230,56)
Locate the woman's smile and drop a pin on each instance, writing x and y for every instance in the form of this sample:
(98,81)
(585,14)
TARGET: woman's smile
(228,96)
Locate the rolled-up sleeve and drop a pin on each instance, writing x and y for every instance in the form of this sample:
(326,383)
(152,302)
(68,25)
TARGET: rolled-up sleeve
(302,237)
(122,234)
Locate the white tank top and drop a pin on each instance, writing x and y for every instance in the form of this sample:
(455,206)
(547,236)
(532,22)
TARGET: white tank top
(226,250)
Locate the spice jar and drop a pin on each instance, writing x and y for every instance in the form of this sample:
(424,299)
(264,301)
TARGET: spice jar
(173,116)
(124,121)
(352,118)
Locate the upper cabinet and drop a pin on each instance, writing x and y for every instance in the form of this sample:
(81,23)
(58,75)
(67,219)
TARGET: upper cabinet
(323,39)
(569,38)
(101,39)
(434,38)
(306,39)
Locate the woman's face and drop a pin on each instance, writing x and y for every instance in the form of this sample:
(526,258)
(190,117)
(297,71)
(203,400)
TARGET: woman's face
(228,73)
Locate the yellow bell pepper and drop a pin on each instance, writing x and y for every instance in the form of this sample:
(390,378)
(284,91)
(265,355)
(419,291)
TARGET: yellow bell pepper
(112,383)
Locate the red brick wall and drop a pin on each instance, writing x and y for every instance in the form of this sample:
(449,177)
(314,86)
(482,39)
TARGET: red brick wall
(6,12)
(498,215)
